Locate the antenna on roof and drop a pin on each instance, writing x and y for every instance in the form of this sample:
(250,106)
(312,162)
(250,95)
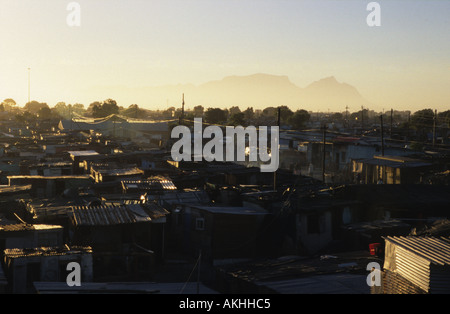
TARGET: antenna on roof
(182,111)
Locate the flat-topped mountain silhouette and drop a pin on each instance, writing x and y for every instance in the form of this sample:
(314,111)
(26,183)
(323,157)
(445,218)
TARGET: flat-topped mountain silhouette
(258,91)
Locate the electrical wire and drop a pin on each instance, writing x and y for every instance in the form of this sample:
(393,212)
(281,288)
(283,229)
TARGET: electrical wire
(190,275)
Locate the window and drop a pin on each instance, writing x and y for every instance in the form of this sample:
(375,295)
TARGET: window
(346,215)
(200,224)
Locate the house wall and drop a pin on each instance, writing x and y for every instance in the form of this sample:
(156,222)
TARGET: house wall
(34,238)
(27,269)
(220,235)
(314,230)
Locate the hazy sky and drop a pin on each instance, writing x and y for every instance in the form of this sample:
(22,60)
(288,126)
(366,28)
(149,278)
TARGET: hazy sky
(404,63)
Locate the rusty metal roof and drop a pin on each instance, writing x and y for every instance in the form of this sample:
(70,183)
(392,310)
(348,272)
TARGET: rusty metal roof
(108,215)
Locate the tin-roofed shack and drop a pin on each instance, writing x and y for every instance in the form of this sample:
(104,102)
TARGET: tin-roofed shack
(343,273)
(9,195)
(30,236)
(128,240)
(108,173)
(25,266)
(391,169)
(220,232)
(50,186)
(151,131)
(409,202)
(79,157)
(416,265)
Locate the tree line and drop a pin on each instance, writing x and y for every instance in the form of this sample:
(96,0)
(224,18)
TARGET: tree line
(421,120)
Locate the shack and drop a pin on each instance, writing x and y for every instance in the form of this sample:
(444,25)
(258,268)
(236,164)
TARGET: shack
(24,266)
(128,240)
(221,232)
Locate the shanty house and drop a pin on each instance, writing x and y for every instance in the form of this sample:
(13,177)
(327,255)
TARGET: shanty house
(50,186)
(221,232)
(30,236)
(416,265)
(390,170)
(128,240)
(25,266)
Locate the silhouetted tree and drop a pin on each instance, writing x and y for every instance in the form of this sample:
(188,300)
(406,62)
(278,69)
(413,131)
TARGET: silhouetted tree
(44,113)
(236,119)
(133,111)
(198,111)
(299,119)
(216,115)
(249,114)
(285,113)
(444,117)
(25,118)
(8,104)
(34,106)
(233,110)
(106,108)
(422,119)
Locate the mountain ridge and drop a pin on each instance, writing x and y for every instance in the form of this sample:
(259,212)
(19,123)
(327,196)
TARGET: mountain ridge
(258,90)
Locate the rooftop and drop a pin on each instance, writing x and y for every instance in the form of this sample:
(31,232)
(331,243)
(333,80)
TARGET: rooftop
(148,185)
(122,288)
(395,162)
(109,215)
(341,273)
(24,227)
(46,251)
(80,153)
(435,250)
(233,210)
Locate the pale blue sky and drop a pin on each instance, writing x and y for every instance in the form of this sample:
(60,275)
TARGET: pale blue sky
(403,63)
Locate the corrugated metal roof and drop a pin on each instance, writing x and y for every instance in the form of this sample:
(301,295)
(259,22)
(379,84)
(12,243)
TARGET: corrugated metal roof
(26,227)
(434,250)
(149,184)
(46,251)
(108,215)
(82,153)
(424,261)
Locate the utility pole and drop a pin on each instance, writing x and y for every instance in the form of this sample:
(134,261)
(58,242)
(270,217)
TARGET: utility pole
(382,135)
(408,126)
(275,172)
(324,128)
(29,84)
(182,112)
(362,118)
(346,116)
(390,130)
(434,127)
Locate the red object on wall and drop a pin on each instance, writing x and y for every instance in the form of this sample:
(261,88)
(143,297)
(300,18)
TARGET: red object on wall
(374,248)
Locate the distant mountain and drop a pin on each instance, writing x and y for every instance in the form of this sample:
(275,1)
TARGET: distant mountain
(329,93)
(257,90)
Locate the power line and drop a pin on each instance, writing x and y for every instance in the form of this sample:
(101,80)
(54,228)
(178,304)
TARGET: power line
(192,271)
